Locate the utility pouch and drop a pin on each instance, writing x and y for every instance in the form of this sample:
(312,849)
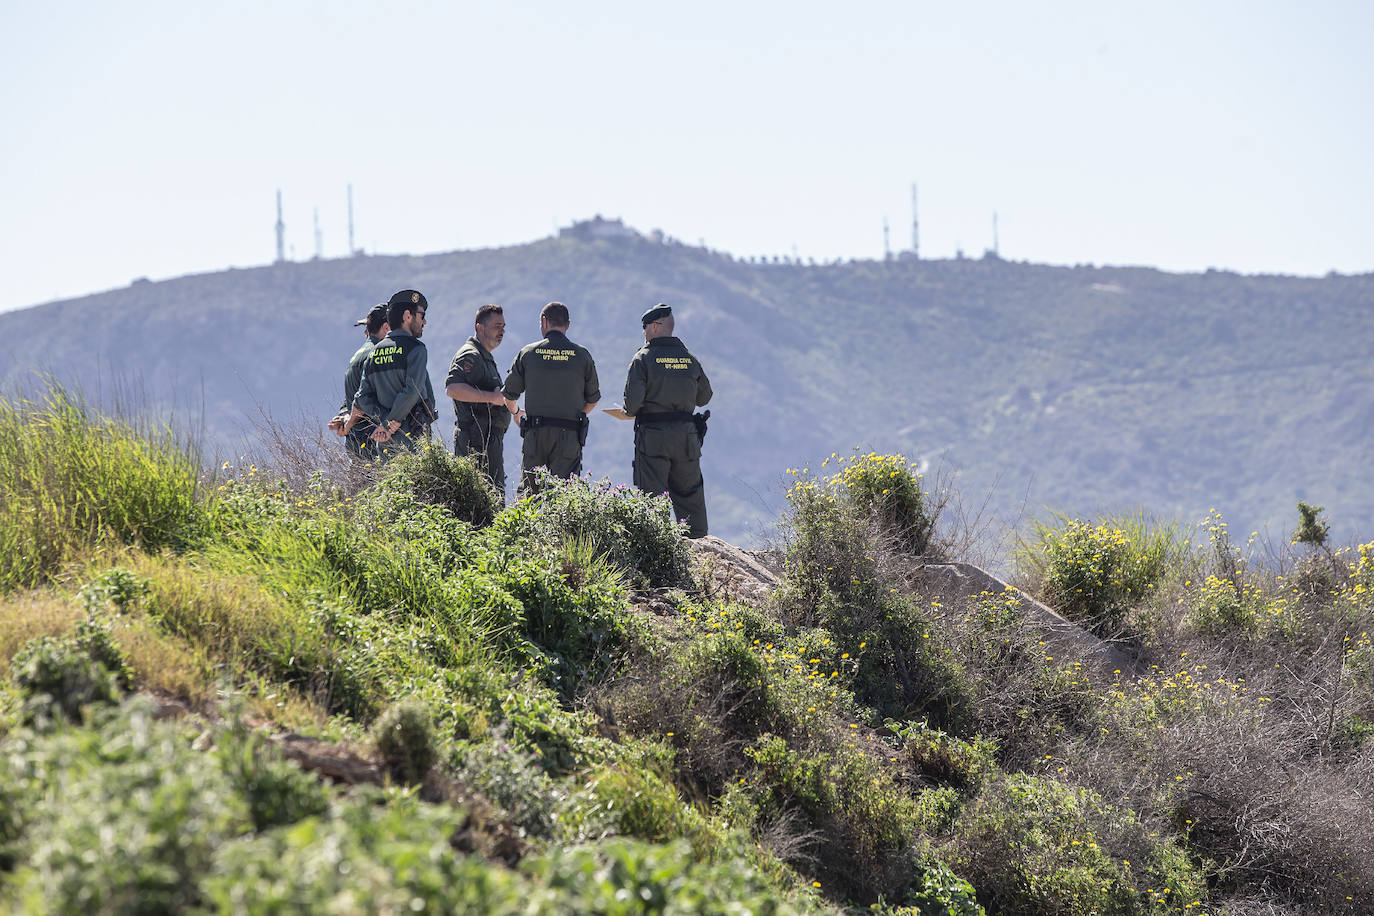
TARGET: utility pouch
(700,420)
(583,424)
(420,415)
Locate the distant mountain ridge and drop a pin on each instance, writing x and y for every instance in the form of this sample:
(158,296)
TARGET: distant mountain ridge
(1082,389)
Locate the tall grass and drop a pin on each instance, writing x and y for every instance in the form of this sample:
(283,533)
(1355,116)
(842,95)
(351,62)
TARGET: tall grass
(70,479)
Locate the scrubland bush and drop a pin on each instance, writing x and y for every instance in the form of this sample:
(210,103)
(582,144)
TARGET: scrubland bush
(404,738)
(886,489)
(132,779)
(275,791)
(1032,845)
(431,475)
(848,563)
(58,679)
(61,676)
(632,530)
(1094,574)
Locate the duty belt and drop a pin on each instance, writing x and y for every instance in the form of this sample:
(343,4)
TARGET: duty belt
(675,416)
(535,422)
(669,416)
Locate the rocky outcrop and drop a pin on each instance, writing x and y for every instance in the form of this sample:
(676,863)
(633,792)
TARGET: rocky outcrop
(751,576)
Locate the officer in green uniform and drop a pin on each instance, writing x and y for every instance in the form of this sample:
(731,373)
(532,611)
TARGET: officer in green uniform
(395,392)
(357,440)
(558,379)
(474,384)
(664,385)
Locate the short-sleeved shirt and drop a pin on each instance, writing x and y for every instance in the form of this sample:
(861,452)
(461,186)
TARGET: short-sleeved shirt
(474,365)
(664,378)
(556,376)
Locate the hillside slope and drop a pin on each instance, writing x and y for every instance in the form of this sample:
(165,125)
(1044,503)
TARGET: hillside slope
(1080,389)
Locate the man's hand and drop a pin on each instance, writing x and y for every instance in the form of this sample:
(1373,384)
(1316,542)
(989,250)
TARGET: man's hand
(336,425)
(352,419)
(512,406)
(496,398)
(384,433)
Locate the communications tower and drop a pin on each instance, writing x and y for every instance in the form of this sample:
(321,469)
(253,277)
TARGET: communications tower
(281,231)
(915,226)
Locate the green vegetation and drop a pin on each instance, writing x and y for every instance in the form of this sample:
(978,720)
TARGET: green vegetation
(303,698)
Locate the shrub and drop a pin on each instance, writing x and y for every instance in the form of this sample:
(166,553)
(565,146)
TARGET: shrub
(58,676)
(629,877)
(577,629)
(373,854)
(842,573)
(945,760)
(940,892)
(1018,692)
(512,780)
(275,790)
(633,530)
(867,827)
(116,588)
(1223,606)
(635,803)
(1031,845)
(404,738)
(885,489)
(435,477)
(1094,574)
(123,818)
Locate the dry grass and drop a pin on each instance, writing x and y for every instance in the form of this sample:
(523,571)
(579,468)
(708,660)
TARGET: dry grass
(30,615)
(167,664)
(300,451)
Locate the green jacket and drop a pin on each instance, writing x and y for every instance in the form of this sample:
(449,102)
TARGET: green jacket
(556,376)
(474,365)
(665,378)
(395,380)
(354,375)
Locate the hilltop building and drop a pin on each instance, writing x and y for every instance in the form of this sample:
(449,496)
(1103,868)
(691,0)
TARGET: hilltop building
(599,228)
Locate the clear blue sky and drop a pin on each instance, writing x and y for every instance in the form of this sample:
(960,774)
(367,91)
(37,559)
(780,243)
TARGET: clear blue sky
(150,138)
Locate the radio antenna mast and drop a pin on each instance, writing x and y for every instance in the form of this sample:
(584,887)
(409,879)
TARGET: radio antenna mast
(281,232)
(915,226)
(351,250)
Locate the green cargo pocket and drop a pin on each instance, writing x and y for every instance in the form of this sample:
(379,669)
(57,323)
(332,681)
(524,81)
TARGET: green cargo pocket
(657,443)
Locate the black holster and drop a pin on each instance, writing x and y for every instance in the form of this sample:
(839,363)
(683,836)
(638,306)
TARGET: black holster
(421,415)
(700,420)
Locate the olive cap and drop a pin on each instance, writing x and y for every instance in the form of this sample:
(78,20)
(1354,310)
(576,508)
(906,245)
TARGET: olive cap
(409,298)
(655,313)
(373,318)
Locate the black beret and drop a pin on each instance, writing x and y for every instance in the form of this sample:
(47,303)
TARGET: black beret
(376,316)
(412,299)
(655,313)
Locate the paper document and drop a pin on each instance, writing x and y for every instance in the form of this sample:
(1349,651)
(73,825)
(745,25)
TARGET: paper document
(617,412)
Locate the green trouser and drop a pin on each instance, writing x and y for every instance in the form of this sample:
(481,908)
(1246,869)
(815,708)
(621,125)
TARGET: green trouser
(550,447)
(404,441)
(360,444)
(487,448)
(668,460)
